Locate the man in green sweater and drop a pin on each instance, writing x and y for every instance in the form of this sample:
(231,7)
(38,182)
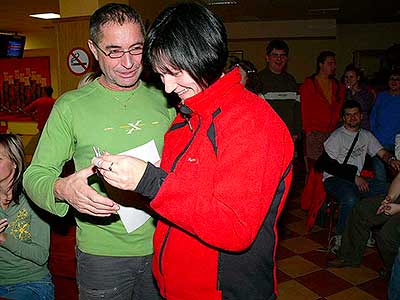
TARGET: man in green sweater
(116,112)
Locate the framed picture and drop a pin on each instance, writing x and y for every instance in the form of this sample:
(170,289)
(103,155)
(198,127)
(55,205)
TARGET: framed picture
(236,53)
(369,61)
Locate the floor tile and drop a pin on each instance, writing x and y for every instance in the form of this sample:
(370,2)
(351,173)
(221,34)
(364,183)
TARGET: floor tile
(319,258)
(353,293)
(288,218)
(320,236)
(293,290)
(296,266)
(355,275)
(324,283)
(373,261)
(285,233)
(300,245)
(299,213)
(298,227)
(283,252)
(376,287)
(282,277)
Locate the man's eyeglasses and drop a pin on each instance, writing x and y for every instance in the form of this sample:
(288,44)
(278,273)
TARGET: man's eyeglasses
(116,53)
(276,55)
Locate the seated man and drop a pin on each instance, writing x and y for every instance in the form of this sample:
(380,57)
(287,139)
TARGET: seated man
(347,147)
(366,214)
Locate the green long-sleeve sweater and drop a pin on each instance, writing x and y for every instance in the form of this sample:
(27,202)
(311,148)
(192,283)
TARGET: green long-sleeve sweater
(25,252)
(114,121)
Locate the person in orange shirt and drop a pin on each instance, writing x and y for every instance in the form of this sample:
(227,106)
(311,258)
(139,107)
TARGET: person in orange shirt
(41,108)
(322,96)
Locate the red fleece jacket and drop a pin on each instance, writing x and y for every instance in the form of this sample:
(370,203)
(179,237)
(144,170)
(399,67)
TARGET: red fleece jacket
(221,188)
(317,113)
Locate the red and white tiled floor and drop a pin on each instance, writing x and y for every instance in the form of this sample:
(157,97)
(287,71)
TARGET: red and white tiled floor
(302,271)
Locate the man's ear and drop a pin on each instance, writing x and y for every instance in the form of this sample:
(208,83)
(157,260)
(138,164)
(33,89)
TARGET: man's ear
(93,49)
(266,58)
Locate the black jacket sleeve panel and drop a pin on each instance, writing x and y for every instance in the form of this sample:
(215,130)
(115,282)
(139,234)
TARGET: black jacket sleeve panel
(332,166)
(151,181)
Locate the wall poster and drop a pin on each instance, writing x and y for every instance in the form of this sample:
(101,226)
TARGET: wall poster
(22,81)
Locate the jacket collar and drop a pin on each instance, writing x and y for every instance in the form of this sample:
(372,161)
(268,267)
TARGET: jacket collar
(207,100)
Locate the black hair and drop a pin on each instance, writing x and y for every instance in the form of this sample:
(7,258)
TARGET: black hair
(278,45)
(395,72)
(357,71)
(189,37)
(113,13)
(350,104)
(14,149)
(253,82)
(323,56)
(48,90)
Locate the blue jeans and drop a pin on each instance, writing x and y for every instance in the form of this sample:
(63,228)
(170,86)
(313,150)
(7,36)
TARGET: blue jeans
(36,290)
(394,284)
(115,277)
(347,194)
(378,165)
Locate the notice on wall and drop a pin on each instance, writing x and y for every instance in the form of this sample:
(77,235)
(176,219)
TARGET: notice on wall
(78,61)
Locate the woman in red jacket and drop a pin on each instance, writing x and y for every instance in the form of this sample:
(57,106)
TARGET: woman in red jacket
(225,169)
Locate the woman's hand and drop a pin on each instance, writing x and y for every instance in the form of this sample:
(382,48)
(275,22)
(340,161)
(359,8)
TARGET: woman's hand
(121,171)
(392,209)
(3,226)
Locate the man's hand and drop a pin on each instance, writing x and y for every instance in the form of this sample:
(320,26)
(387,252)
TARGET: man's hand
(361,183)
(395,164)
(75,190)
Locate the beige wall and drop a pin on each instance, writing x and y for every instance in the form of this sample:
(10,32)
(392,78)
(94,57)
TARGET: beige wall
(305,39)
(304,48)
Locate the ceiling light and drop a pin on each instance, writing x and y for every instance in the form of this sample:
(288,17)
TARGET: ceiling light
(46,16)
(221,2)
(323,11)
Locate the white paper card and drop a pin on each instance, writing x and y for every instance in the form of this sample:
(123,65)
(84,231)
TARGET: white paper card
(131,217)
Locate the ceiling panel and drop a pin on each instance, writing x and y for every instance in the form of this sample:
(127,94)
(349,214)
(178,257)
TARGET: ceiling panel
(14,15)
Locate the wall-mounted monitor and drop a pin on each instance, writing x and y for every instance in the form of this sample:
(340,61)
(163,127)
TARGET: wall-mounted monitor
(12,45)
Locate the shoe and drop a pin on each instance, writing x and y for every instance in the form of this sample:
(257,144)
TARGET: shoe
(371,241)
(339,263)
(334,243)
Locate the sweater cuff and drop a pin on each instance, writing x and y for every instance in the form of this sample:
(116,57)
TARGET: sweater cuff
(151,181)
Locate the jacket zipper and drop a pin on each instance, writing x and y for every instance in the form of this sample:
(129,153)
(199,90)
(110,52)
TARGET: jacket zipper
(172,169)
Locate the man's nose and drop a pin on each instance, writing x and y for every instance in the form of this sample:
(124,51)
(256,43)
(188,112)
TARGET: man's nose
(127,60)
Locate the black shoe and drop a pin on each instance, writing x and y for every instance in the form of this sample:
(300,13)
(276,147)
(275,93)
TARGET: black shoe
(340,263)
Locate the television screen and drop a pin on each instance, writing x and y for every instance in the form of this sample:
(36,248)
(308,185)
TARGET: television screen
(12,45)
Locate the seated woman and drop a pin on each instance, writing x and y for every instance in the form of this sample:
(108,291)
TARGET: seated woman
(24,236)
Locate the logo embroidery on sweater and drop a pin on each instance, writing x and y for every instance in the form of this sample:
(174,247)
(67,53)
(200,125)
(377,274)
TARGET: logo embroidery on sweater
(19,228)
(132,127)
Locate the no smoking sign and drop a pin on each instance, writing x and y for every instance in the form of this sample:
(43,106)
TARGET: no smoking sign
(78,61)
